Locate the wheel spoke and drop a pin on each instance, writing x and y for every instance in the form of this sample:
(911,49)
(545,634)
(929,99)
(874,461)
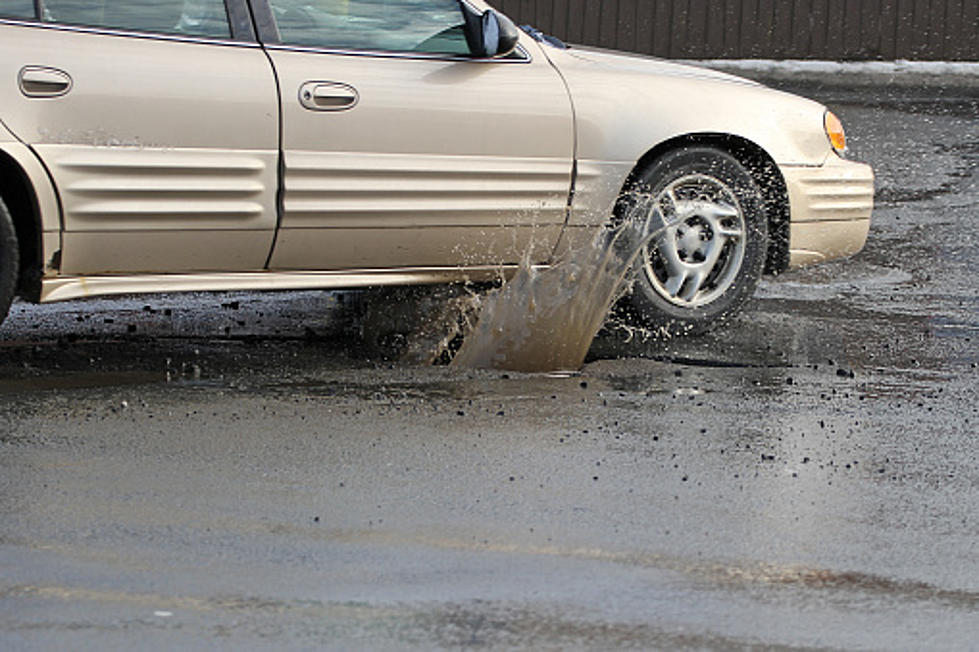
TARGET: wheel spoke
(666,247)
(720,210)
(675,282)
(679,209)
(728,232)
(719,215)
(711,257)
(686,208)
(694,282)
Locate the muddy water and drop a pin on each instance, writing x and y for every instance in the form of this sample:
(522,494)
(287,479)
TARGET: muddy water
(544,319)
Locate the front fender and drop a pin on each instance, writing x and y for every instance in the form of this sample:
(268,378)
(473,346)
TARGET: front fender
(625,106)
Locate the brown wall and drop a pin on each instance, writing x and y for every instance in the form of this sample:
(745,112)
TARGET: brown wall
(768,29)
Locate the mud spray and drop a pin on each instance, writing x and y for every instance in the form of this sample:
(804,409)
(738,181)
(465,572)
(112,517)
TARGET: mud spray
(544,319)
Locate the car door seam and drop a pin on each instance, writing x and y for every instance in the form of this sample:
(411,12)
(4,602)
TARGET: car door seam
(574,150)
(281,162)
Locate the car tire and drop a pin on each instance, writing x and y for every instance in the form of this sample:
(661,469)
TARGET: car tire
(9,262)
(710,242)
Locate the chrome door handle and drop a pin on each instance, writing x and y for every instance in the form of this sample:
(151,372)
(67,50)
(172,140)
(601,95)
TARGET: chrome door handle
(328,96)
(41,81)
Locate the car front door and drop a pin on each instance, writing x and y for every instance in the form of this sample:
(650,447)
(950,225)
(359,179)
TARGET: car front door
(158,122)
(401,150)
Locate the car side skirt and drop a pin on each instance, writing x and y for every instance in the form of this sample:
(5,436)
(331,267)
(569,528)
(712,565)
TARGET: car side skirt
(78,287)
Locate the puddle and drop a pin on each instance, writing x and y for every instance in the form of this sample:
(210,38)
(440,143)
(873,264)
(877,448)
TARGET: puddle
(436,386)
(80,381)
(689,391)
(826,282)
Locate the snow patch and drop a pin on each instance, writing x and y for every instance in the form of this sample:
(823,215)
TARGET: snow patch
(942,68)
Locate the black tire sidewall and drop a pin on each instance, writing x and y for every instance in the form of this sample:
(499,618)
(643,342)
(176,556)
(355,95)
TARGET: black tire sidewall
(9,261)
(657,312)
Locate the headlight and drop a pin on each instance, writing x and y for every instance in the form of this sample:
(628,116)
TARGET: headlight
(834,131)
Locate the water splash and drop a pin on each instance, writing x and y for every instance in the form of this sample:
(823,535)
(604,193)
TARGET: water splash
(544,319)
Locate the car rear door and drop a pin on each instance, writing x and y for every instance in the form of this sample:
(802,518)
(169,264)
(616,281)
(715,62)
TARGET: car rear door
(158,121)
(401,150)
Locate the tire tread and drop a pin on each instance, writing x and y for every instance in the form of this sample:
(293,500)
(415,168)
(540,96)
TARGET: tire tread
(9,261)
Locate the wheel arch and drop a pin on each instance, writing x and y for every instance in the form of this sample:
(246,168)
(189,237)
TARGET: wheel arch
(21,200)
(763,170)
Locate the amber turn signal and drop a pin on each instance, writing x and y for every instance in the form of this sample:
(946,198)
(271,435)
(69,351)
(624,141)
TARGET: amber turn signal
(834,130)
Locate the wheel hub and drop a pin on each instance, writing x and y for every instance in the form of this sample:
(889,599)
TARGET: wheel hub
(700,251)
(693,239)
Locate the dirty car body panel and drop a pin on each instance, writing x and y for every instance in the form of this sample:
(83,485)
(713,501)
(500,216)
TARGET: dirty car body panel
(282,144)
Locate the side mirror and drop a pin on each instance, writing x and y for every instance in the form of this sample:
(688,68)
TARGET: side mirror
(489,34)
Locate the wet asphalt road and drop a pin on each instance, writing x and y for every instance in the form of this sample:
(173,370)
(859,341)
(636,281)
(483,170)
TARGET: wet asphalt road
(236,471)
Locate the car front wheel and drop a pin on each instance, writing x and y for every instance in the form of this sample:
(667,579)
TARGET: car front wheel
(710,242)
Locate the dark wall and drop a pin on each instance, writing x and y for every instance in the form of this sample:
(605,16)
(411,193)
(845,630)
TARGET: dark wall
(767,29)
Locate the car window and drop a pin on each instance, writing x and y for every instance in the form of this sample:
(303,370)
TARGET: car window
(432,26)
(190,17)
(17,9)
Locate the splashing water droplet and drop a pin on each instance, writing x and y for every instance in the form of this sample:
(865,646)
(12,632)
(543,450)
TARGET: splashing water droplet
(544,319)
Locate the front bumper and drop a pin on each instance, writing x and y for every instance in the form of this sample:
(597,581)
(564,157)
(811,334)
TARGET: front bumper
(830,208)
